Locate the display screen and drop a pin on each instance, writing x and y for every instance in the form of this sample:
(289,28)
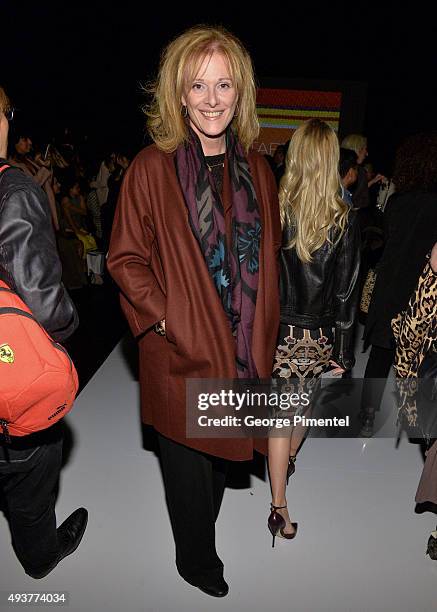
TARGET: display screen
(281,111)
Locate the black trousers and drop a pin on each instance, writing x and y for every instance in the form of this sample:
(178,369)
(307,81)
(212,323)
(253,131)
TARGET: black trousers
(29,473)
(194,486)
(375,377)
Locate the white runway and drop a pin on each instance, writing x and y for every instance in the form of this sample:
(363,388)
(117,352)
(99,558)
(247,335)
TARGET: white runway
(360,546)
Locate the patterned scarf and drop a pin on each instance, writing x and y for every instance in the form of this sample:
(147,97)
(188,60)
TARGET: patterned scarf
(233,265)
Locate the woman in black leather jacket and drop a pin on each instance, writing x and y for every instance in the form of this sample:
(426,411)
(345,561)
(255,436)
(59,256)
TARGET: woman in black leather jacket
(319,272)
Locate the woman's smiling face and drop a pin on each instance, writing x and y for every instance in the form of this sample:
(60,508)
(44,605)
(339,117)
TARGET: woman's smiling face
(211,101)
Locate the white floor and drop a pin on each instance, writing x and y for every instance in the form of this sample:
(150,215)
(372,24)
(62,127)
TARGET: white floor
(360,546)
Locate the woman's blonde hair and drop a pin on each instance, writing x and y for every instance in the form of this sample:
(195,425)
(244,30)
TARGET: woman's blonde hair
(309,193)
(4,101)
(354,142)
(180,64)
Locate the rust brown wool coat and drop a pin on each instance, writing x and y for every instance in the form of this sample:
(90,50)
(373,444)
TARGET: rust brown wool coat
(158,265)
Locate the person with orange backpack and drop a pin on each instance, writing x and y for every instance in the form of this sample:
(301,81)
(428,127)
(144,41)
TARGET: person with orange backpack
(35,314)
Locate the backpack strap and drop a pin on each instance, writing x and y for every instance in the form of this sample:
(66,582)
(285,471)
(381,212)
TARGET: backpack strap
(4,167)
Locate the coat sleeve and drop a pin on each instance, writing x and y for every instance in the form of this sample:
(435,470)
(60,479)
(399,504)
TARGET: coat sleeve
(29,261)
(413,328)
(346,294)
(132,252)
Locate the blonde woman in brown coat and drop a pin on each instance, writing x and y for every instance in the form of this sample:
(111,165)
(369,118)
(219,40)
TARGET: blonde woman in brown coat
(194,252)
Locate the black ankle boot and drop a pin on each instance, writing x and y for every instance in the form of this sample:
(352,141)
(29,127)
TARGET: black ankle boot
(216,586)
(70,534)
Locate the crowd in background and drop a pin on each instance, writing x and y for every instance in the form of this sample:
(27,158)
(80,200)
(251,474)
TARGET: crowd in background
(82,194)
(82,191)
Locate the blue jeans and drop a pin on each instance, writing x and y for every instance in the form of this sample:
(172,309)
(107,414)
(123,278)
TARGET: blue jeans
(29,473)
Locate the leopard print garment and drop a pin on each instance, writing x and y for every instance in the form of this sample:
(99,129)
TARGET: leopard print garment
(415,331)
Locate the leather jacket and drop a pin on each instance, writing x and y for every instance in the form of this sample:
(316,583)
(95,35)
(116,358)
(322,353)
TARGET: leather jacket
(29,261)
(324,293)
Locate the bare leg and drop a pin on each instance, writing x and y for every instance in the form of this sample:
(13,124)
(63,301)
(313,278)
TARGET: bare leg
(297,437)
(300,357)
(279,452)
(300,431)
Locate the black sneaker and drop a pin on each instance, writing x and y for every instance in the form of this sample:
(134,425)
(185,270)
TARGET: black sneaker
(70,534)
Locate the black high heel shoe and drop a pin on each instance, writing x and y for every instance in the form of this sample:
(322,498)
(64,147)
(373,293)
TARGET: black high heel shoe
(291,466)
(431,548)
(276,524)
(367,418)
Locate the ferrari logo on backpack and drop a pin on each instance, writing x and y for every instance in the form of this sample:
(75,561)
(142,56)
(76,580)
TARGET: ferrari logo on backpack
(6,353)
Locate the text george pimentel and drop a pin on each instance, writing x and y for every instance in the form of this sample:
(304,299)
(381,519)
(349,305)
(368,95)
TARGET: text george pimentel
(276,422)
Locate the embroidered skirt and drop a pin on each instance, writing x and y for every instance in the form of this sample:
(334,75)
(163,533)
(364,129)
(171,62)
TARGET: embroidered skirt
(302,354)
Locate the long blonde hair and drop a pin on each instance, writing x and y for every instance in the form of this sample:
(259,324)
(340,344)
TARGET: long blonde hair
(309,193)
(180,63)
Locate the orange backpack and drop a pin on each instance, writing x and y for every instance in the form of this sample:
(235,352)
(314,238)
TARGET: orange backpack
(38,380)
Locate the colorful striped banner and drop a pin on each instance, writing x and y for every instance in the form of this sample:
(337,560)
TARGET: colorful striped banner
(281,111)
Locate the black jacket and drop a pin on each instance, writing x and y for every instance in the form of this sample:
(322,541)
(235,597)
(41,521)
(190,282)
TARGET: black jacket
(360,190)
(29,261)
(410,228)
(324,293)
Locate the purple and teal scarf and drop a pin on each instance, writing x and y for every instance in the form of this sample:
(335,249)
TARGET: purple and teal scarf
(234,269)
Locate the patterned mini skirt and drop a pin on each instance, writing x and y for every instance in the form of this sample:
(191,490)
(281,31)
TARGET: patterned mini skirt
(302,354)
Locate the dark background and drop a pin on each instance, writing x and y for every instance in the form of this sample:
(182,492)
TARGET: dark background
(82,65)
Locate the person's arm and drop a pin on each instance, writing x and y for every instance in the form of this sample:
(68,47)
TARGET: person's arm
(29,261)
(4,130)
(66,207)
(346,294)
(410,326)
(132,251)
(43,173)
(376,179)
